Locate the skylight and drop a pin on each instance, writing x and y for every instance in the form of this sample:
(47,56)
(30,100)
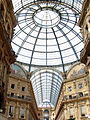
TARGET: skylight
(47,36)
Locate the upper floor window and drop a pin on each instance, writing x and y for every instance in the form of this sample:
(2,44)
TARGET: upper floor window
(80,94)
(53,114)
(11,110)
(22,113)
(22,96)
(38,114)
(80,85)
(70,96)
(23,88)
(82,110)
(12,94)
(71,112)
(69,88)
(12,86)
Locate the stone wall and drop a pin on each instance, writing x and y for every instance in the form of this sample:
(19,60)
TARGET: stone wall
(2,117)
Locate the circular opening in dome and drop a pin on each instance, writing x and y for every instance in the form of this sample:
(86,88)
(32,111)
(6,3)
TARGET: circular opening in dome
(46,18)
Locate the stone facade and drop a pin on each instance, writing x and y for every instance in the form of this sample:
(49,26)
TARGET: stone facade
(7,55)
(21,102)
(3,117)
(84,23)
(74,99)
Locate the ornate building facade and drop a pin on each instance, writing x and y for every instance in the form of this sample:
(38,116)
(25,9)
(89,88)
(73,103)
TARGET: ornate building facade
(84,23)
(21,103)
(74,99)
(7,55)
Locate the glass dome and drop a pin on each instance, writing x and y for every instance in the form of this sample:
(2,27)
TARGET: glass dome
(47,34)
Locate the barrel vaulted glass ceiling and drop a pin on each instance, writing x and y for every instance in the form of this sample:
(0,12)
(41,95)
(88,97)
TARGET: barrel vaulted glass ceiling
(47,35)
(46,84)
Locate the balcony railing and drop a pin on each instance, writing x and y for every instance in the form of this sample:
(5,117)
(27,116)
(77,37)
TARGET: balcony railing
(77,96)
(27,98)
(71,119)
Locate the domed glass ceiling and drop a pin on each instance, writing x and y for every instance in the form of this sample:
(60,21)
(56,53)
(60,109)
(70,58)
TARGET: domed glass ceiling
(47,36)
(47,33)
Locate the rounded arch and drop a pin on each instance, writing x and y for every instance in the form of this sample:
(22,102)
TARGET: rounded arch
(50,68)
(76,70)
(18,70)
